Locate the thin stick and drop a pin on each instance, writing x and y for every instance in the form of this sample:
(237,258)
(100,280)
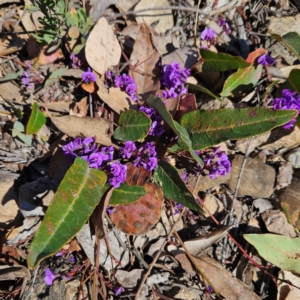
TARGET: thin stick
(239,179)
(157,255)
(196,23)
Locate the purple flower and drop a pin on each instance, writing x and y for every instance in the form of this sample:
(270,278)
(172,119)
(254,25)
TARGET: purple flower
(95,160)
(127,84)
(119,290)
(266,60)
(128,149)
(88,76)
(173,80)
(76,62)
(72,146)
(28,64)
(59,253)
(49,276)
(216,162)
(109,209)
(146,157)
(156,128)
(222,23)
(289,100)
(177,208)
(117,174)
(208,34)
(72,259)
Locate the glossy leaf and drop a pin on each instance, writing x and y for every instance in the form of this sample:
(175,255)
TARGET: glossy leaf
(291,40)
(156,103)
(36,120)
(126,194)
(133,126)
(203,90)
(293,82)
(282,251)
(76,198)
(217,62)
(173,187)
(241,80)
(18,131)
(211,127)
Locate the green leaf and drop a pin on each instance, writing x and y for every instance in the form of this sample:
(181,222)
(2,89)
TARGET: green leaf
(133,126)
(12,76)
(203,90)
(173,187)
(291,40)
(293,83)
(54,47)
(156,103)
(211,127)
(217,62)
(78,48)
(126,194)
(36,120)
(243,79)
(18,130)
(48,38)
(282,251)
(77,196)
(57,74)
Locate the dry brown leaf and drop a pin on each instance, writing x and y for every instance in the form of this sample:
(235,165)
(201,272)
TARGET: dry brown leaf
(198,245)
(116,99)
(228,286)
(102,48)
(86,126)
(79,109)
(60,106)
(98,215)
(89,87)
(146,58)
(13,272)
(164,17)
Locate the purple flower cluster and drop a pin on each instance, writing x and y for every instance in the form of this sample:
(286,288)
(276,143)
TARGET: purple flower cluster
(266,60)
(288,100)
(127,84)
(76,62)
(98,158)
(156,128)
(31,76)
(173,80)
(145,155)
(88,76)
(49,276)
(223,23)
(208,34)
(216,162)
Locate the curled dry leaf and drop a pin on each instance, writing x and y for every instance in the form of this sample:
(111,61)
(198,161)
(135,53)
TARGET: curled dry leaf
(13,272)
(198,245)
(79,109)
(139,217)
(116,99)
(74,126)
(102,48)
(145,58)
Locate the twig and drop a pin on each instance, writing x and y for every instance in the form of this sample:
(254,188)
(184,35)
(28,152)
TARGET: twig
(180,8)
(196,23)
(157,255)
(239,178)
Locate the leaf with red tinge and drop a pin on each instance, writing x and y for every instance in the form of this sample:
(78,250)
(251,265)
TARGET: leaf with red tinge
(77,196)
(242,79)
(255,54)
(36,120)
(207,128)
(139,217)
